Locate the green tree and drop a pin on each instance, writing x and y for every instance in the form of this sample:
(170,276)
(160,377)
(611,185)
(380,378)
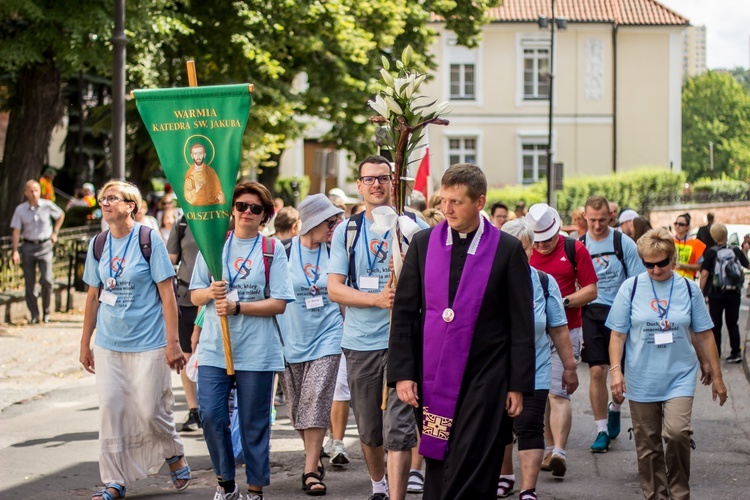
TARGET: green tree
(715,108)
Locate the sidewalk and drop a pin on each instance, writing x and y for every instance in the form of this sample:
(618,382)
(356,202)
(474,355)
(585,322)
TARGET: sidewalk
(49,422)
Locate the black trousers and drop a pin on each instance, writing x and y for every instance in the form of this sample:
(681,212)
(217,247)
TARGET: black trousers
(728,306)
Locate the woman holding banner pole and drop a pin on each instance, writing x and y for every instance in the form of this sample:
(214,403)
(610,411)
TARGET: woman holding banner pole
(131,304)
(250,304)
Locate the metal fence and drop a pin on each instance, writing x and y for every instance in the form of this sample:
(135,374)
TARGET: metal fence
(71,241)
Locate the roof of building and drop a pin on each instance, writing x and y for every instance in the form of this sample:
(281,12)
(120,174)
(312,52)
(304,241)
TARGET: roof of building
(622,12)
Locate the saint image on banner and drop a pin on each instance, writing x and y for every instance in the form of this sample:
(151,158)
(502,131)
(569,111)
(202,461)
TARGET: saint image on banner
(202,186)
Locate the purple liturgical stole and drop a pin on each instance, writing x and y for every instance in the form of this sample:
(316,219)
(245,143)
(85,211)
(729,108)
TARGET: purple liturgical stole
(448,333)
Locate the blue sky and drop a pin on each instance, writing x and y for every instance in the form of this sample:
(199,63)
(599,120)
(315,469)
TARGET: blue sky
(727,29)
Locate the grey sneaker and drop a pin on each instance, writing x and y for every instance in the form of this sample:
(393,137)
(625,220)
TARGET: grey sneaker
(235,495)
(326,451)
(338,454)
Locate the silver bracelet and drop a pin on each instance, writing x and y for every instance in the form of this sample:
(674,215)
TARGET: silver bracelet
(614,368)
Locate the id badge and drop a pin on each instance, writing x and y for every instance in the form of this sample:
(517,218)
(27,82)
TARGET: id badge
(108,298)
(369,283)
(314,302)
(663,338)
(234,296)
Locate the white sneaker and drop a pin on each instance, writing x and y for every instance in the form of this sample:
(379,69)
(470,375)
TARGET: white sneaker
(339,457)
(235,495)
(327,447)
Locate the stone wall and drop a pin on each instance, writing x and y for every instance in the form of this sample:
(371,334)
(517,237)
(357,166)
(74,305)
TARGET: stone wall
(726,213)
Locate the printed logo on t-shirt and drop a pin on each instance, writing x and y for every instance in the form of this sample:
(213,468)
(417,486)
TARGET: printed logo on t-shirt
(118,265)
(603,261)
(243,267)
(659,306)
(382,253)
(312,271)
(563,259)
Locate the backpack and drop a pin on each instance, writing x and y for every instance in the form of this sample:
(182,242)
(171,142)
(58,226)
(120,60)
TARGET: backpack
(635,285)
(268,250)
(617,244)
(352,235)
(144,240)
(570,251)
(544,281)
(288,247)
(728,273)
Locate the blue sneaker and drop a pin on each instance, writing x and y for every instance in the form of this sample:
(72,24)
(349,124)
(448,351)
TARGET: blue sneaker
(601,444)
(613,423)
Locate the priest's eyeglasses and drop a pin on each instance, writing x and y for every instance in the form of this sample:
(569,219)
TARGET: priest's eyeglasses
(242,207)
(369,180)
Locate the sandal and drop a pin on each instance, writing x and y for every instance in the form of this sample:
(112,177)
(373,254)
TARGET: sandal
(416,482)
(106,495)
(181,474)
(308,487)
(321,469)
(505,487)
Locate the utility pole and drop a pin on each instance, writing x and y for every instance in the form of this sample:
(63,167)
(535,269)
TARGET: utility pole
(119,41)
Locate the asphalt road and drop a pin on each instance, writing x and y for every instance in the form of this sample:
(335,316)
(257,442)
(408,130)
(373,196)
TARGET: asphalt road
(49,422)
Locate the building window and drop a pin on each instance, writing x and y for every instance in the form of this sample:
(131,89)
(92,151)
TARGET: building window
(533,161)
(462,150)
(462,81)
(535,73)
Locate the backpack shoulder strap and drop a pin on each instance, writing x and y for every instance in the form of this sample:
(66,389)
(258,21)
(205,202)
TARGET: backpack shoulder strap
(352,235)
(570,252)
(268,251)
(635,285)
(99,241)
(690,290)
(144,238)
(544,281)
(287,247)
(618,251)
(582,239)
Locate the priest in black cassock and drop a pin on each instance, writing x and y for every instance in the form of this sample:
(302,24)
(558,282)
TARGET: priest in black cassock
(461,347)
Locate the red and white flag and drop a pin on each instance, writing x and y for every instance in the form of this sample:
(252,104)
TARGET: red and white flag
(423,179)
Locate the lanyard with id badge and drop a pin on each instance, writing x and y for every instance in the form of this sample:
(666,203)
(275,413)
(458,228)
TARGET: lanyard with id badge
(107,296)
(233,294)
(316,301)
(666,335)
(371,282)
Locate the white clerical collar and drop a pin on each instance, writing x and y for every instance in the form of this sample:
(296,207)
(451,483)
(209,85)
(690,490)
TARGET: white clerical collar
(475,242)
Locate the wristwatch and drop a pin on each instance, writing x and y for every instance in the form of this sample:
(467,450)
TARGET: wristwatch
(566,302)
(237,306)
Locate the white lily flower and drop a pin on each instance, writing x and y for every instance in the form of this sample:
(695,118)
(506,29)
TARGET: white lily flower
(380,106)
(387,77)
(393,106)
(441,108)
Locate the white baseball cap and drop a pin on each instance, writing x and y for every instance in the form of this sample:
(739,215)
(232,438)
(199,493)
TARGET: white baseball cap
(627,215)
(340,194)
(545,220)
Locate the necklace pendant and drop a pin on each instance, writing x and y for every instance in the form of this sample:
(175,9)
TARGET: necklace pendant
(314,290)
(111,283)
(448,315)
(665,325)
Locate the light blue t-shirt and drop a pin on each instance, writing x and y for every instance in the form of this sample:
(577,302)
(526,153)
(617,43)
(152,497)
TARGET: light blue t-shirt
(310,333)
(365,328)
(608,267)
(256,342)
(551,314)
(135,323)
(659,372)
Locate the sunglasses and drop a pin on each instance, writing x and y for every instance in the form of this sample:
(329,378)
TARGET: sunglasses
(332,223)
(661,263)
(679,223)
(242,207)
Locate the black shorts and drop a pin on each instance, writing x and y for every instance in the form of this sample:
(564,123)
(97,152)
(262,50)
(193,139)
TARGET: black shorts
(529,425)
(185,326)
(595,335)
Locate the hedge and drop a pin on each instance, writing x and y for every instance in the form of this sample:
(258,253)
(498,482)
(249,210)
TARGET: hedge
(284,189)
(721,187)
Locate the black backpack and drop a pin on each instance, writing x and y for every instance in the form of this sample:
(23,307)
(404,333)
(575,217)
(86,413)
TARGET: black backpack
(617,250)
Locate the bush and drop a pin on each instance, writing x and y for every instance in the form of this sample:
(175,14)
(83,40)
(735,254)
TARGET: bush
(284,189)
(638,189)
(724,187)
(510,195)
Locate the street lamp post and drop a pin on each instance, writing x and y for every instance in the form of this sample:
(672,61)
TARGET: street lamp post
(550,24)
(119,40)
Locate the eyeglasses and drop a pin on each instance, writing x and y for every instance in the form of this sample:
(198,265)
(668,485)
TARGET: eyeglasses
(369,180)
(679,223)
(661,263)
(110,200)
(242,207)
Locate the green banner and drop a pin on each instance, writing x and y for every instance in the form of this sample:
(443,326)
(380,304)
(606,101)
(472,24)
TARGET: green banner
(197,132)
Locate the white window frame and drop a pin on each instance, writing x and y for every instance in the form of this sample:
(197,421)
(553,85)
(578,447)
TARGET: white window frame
(536,138)
(529,41)
(457,54)
(476,135)
(462,95)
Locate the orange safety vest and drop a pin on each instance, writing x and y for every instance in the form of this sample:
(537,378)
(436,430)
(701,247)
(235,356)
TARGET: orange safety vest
(689,252)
